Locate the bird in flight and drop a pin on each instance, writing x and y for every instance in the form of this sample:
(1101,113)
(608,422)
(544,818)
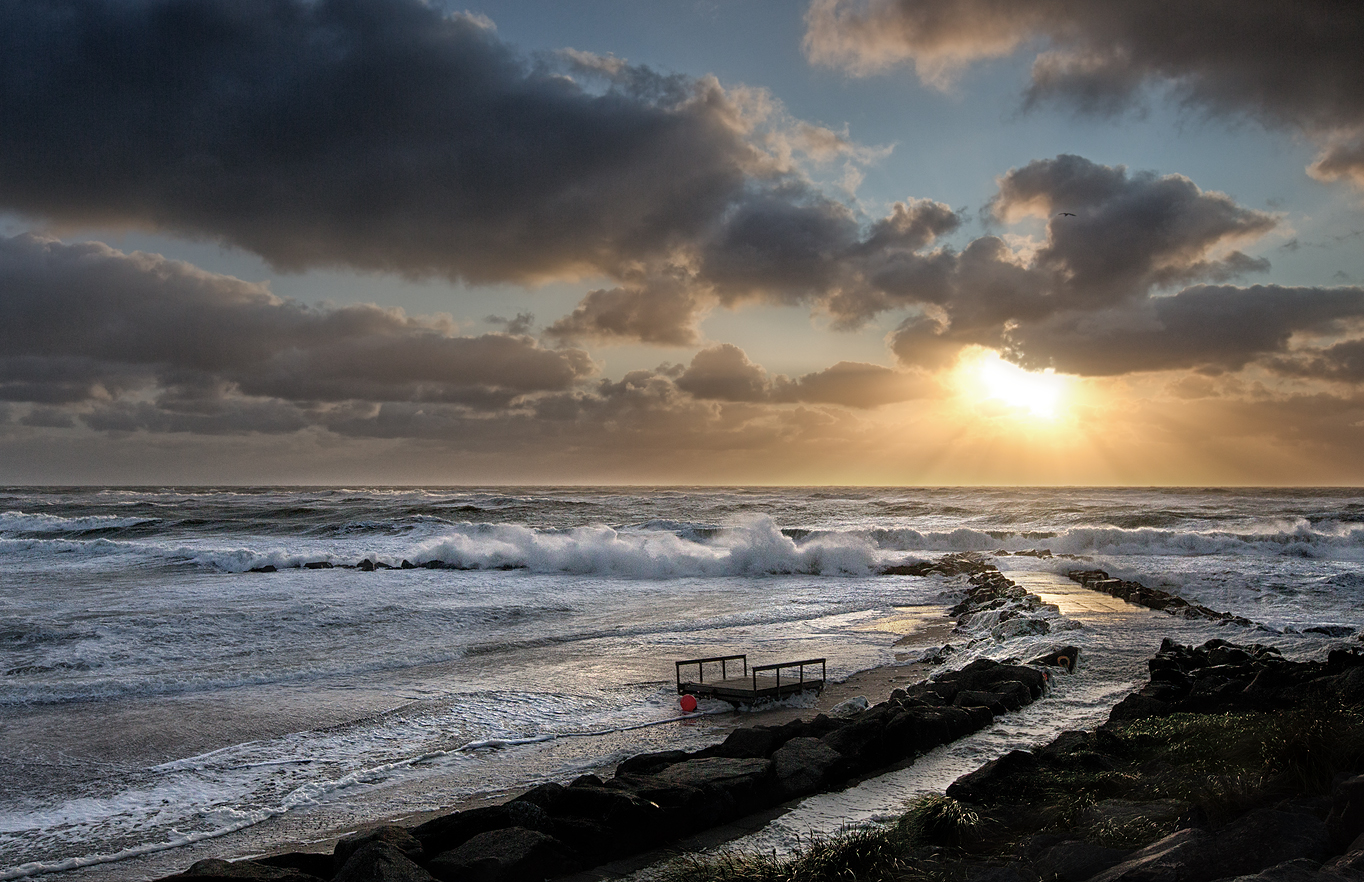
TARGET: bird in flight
(1065,214)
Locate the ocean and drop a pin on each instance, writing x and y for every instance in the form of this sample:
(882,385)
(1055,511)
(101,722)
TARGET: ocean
(182,674)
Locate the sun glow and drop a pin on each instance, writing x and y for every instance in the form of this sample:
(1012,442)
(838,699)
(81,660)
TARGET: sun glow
(991,378)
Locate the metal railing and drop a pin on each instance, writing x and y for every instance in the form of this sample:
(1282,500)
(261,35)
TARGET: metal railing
(793,664)
(701,667)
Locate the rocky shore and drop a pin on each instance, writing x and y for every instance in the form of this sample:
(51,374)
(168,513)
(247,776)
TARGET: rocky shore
(657,798)
(1230,763)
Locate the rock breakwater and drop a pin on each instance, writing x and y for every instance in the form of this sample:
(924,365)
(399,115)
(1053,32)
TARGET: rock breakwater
(657,798)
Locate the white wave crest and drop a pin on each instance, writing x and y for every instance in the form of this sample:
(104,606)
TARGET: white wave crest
(756,547)
(22,522)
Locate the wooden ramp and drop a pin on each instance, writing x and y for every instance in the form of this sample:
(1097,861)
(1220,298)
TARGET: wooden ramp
(760,682)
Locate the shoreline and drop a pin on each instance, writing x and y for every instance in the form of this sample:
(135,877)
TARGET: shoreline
(768,759)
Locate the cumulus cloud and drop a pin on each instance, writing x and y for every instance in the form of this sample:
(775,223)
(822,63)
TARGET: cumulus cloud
(379,134)
(725,373)
(665,312)
(1295,64)
(387,135)
(143,323)
(1205,326)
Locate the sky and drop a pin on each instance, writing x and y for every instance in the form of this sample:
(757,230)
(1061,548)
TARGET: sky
(885,242)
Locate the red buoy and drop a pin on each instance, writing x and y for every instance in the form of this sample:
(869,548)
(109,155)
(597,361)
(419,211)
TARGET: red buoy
(688,703)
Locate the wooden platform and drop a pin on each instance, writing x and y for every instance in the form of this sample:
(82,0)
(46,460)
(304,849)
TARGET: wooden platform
(760,682)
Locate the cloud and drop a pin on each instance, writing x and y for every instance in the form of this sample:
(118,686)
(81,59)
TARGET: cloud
(1131,236)
(1294,64)
(378,134)
(664,312)
(85,322)
(1217,327)
(386,135)
(725,373)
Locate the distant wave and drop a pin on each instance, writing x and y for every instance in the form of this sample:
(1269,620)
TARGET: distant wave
(660,549)
(18,522)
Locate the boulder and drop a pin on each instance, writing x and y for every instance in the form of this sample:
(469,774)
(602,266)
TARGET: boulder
(1346,821)
(1059,657)
(742,779)
(449,831)
(802,765)
(616,807)
(1076,860)
(747,743)
(399,837)
(379,861)
(1251,844)
(858,743)
(991,700)
(214,869)
(514,854)
(850,707)
(1179,857)
(306,862)
(648,763)
(1300,870)
(993,777)
(1138,707)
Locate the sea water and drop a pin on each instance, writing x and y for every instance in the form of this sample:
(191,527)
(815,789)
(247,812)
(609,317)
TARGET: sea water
(163,698)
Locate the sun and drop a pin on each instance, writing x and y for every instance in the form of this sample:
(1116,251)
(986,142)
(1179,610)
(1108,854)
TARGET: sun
(989,377)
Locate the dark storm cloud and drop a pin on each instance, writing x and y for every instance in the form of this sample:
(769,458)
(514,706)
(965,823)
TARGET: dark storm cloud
(1130,231)
(379,134)
(1295,64)
(1133,234)
(87,322)
(386,135)
(1218,327)
(725,373)
(1343,362)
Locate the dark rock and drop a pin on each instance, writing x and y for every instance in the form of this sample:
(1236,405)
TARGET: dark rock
(802,765)
(380,862)
(994,701)
(268,568)
(544,795)
(1255,842)
(1179,857)
(306,862)
(1300,870)
(747,743)
(317,565)
(648,763)
(1345,823)
(399,837)
(685,808)
(514,854)
(213,869)
(625,812)
(450,831)
(993,777)
(1059,657)
(744,780)
(857,743)
(365,566)
(1076,860)
(1138,707)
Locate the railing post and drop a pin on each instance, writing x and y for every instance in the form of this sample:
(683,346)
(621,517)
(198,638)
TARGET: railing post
(723,676)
